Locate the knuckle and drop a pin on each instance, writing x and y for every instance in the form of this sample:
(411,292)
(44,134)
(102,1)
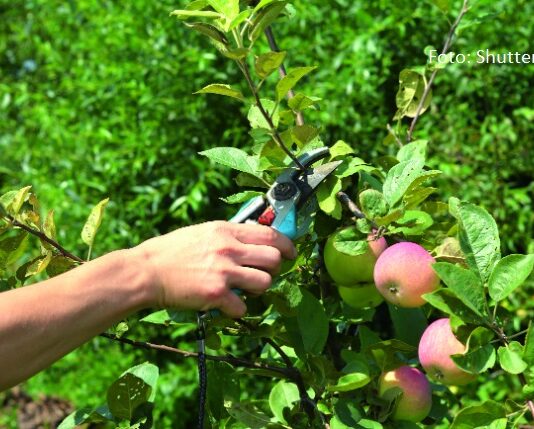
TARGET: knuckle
(226,250)
(276,256)
(216,291)
(219,227)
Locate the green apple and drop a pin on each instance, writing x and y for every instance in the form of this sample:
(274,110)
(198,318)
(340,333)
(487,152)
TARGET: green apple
(348,270)
(361,296)
(416,400)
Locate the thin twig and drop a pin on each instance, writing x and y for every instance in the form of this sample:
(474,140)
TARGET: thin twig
(232,360)
(390,130)
(42,236)
(282,71)
(428,86)
(276,135)
(351,205)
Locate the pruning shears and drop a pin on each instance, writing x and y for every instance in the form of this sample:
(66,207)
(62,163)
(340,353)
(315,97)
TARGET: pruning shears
(288,195)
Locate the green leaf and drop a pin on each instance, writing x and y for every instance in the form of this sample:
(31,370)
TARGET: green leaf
(85,415)
(11,248)
(241,197)
(93,222)
(357,377)
(39,264)
(399,179)
(340,149)
(313,323)
(283,395)
(373,203)
(411,89)
(413,150)
(509,273)
(327,199)
(528,353)
(389,218)
(479,239)
(222,89)
(388,354)
(49,227)
(171,317)
(479,416)
(412,222)
(185,14)
(465,285)
(408,323)
(268,63)
(350,241)
(266,16)
(248,414)
(303,134)
(243,16)
(346,414)
(290,80)
(126,394)
(510,358)
(256,118)
(233,158)
(301,102)
(351,167)
(480,354)
(223,384)
(447,301)
(443,5)
(216,37)
(12,201)
(228,8)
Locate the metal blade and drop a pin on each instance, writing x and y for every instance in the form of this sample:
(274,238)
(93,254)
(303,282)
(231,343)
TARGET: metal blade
(312,178)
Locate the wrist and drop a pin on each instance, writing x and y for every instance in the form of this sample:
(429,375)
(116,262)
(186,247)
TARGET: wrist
(133,265)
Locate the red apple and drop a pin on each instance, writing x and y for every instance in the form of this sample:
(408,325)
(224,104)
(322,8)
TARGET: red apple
(348,270)
(436,346)
(403,272)
(416,400)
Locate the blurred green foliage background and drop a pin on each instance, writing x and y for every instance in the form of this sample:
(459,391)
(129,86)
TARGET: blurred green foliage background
(96,100)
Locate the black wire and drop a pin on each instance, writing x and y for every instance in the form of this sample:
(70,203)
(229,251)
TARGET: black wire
(202,371)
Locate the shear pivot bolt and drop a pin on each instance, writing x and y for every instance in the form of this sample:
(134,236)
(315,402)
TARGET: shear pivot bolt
(284,191)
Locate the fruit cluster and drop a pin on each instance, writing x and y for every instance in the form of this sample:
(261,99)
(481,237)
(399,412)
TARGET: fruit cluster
(400,274)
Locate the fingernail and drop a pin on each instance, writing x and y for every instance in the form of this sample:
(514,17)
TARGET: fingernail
(295,253)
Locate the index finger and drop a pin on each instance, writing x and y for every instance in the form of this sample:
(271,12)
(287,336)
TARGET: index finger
(260,234)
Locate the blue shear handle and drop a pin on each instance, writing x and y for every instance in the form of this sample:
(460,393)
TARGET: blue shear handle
(288,224)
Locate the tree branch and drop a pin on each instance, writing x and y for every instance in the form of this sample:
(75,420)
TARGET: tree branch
(42,236)
(232,360)
(428,86)
(351,205)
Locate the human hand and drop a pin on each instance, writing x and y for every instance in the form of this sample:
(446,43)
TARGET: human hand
(197,266)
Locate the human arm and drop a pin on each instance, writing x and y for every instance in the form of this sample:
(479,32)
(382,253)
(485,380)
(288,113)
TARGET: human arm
(191,268)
